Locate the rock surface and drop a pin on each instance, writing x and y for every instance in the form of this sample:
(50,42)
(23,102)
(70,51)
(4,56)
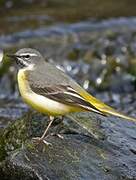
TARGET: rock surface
(77,156)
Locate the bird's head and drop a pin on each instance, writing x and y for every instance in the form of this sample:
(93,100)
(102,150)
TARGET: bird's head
(27,57)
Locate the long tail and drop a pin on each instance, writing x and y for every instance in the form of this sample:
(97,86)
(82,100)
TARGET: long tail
(105,109)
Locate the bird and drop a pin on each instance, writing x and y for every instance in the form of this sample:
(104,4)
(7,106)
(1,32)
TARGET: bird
(51,91)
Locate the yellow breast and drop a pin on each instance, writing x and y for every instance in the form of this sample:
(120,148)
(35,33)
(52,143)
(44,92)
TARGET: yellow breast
(39,102)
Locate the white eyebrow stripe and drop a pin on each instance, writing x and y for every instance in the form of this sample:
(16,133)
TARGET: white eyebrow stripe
(31,54)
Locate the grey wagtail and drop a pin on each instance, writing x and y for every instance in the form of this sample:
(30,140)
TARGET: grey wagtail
(50,91)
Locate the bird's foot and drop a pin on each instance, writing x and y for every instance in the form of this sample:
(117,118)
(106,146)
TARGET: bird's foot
(58,135)
(38,140)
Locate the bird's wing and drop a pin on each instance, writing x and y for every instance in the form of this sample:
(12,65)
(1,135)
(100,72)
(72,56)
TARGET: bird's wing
(64,94)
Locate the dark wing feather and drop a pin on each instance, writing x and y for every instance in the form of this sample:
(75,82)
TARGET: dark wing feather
(64,94)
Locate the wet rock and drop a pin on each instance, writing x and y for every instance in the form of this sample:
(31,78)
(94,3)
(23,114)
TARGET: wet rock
(78,156)
(72,158)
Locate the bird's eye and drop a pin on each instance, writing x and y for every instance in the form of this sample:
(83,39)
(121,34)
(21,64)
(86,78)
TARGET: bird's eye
(27,56)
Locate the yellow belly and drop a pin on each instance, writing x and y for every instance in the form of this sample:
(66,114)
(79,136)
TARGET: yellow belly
(39,102)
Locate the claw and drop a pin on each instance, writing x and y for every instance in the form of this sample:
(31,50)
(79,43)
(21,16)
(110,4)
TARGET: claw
(39,140)
(47,143)
(58,135)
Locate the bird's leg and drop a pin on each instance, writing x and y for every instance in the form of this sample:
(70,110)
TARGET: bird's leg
(46,130)
(57,133)
(41,139)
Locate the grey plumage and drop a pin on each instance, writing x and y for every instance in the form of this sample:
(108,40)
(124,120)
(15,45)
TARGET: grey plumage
(48,81)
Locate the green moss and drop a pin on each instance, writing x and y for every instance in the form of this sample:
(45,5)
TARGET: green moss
(3,152)
(14,136)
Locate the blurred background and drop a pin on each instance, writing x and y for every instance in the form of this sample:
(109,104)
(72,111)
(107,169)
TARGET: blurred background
(94,41)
